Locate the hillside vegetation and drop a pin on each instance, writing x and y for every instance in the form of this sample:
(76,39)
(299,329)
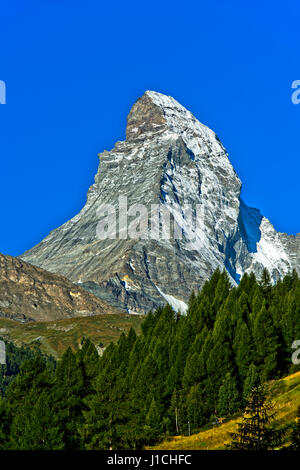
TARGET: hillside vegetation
(56,336)
(285,395)
(178,374)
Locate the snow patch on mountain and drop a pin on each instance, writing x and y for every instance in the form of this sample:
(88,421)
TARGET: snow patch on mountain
(178,305)
(270,251)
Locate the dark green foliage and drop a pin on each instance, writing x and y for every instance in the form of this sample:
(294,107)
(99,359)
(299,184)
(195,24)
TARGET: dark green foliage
(171,379)
(266,285)
(15,356)
(229,400)
(36,425)
(23,405)
(267,343)
(257,430)
(67,393)
(243,348)
(251,381)
(197,411)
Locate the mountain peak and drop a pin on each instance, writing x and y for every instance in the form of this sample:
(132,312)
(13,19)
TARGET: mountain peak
(169,159)
(145,117)
(155,113)
(163,101)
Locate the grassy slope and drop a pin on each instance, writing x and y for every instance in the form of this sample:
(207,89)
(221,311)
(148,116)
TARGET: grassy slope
(286,398)
(54,337)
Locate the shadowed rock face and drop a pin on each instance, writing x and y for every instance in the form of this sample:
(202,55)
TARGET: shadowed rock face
(168,158)
(28,293)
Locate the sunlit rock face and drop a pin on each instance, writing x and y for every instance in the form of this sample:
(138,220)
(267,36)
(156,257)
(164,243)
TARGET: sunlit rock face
(172,160)
(29,293)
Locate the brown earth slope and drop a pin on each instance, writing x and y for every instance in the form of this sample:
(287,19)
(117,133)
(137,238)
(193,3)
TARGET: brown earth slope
(29,293)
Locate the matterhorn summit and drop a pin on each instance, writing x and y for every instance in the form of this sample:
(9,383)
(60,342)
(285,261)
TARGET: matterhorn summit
(171,161)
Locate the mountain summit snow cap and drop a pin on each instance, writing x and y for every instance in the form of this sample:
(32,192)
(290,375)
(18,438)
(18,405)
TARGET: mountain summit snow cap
(170,160)
(155,113)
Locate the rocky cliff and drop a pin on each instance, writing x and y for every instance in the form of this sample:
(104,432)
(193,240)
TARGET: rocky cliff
(172,160)
(28,293)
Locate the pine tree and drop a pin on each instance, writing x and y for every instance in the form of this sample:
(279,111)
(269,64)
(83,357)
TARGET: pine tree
(221,292)
(251,381)
(266,286)
(178,369)
(36,426)
(244,349)
(153,419)
(107,417)
(87,359)
(197,412)
(34,374)
(229,400)
(193,372)
(267,344)
(67,395)
(256,432)
(257,303)
(243,307)
(178,409)
(218,364)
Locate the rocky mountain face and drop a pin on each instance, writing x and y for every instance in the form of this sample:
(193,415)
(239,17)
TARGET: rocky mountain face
(171,161)
(29,293)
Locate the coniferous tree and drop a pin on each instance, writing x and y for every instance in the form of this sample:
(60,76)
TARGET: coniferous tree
(67,395)
(178,409)
(197,412)
(267,343)
(180,369)
(256,432)
(107,414)
(266,285)
(88,362)
(218,364)
(252,380)
(193,372)
(257,303)
(154,419)
(36,426)
(229,400)
(34,374)
(243,347)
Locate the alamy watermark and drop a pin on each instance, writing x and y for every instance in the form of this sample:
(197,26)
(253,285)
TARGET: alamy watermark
(296,354)
(2,353)
(2,92)
(296,94)
(139,222)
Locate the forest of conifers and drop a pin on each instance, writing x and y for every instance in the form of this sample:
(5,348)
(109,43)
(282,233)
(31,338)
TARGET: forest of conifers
(173,378)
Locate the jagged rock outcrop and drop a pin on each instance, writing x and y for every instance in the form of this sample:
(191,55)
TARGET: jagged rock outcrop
(29,293)
(168,158)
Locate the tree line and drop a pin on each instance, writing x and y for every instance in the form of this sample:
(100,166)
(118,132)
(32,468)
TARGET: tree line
(178,375)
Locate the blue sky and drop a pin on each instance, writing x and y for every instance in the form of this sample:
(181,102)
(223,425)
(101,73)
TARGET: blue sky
(73,69)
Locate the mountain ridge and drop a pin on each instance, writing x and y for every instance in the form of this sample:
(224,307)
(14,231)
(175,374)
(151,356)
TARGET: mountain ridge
(29,293)
(168,158)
